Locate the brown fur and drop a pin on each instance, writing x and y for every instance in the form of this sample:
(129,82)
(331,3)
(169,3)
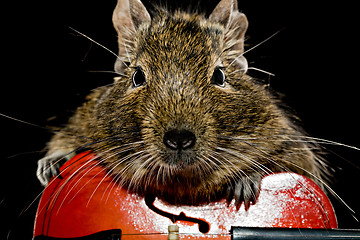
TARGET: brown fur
(241,132)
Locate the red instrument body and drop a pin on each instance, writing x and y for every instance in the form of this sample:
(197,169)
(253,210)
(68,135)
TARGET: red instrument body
(84,200)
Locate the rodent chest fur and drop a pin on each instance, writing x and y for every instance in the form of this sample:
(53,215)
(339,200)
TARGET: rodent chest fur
(183,121)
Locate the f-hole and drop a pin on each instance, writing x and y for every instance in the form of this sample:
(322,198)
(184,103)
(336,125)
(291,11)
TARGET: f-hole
(204,226)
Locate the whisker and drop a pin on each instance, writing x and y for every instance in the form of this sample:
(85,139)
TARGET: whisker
(137,175)
(208,165)
(71,178)
(247,161)
(82,168)
(27,123)
(54,196)
(255,46)
(325,141)
(116,179)
(236,71)
(292,137)
(54,177)
(239,172)
(275,160)
(100,155)
(115,164)
(71,153)
(92,40)
(270,158)
(260,70)
(107,71)
(150,156)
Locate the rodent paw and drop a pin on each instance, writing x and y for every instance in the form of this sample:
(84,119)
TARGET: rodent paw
(49,166)
(244,190)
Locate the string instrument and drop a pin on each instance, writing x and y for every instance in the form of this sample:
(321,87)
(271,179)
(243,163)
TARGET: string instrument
(83,202)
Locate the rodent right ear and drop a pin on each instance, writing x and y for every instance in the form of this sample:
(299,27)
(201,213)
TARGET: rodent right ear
(236,24)
(222,12)
(128,16)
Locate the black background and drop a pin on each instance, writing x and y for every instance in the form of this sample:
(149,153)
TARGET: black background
(47,69)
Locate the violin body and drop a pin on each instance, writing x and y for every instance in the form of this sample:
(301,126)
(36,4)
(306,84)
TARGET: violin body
(83,200)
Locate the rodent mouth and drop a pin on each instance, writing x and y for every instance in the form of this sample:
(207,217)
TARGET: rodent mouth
(180,159)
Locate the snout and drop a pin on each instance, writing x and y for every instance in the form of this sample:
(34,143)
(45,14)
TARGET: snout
(179,139)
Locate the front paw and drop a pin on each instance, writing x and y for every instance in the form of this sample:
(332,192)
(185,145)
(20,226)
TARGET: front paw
(49,165)
(244,190)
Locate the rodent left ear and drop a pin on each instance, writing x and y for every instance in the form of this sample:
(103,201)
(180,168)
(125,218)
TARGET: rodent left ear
(235,23)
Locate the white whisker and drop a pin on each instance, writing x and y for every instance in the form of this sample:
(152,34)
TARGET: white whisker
(92,40)
(260,70)
(257,45)
(271,159)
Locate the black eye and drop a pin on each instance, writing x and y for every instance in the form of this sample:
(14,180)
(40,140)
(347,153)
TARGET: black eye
(138,78)
(218,77)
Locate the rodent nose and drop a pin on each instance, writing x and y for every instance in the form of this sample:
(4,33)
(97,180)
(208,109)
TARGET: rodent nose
(179,139)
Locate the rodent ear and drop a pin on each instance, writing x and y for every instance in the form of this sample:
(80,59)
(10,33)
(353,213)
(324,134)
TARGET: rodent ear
(127,18)
(222,12)
(236,24)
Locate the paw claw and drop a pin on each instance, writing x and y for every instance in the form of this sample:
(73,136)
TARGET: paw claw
(229,195)
(245,190)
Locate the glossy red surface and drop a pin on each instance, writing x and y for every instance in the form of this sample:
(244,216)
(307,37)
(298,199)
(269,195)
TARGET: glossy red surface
(84,200)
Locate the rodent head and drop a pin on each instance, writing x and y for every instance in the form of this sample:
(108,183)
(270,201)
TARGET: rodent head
(178,113)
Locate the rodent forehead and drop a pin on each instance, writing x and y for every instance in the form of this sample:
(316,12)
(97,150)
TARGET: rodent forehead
(185,43)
